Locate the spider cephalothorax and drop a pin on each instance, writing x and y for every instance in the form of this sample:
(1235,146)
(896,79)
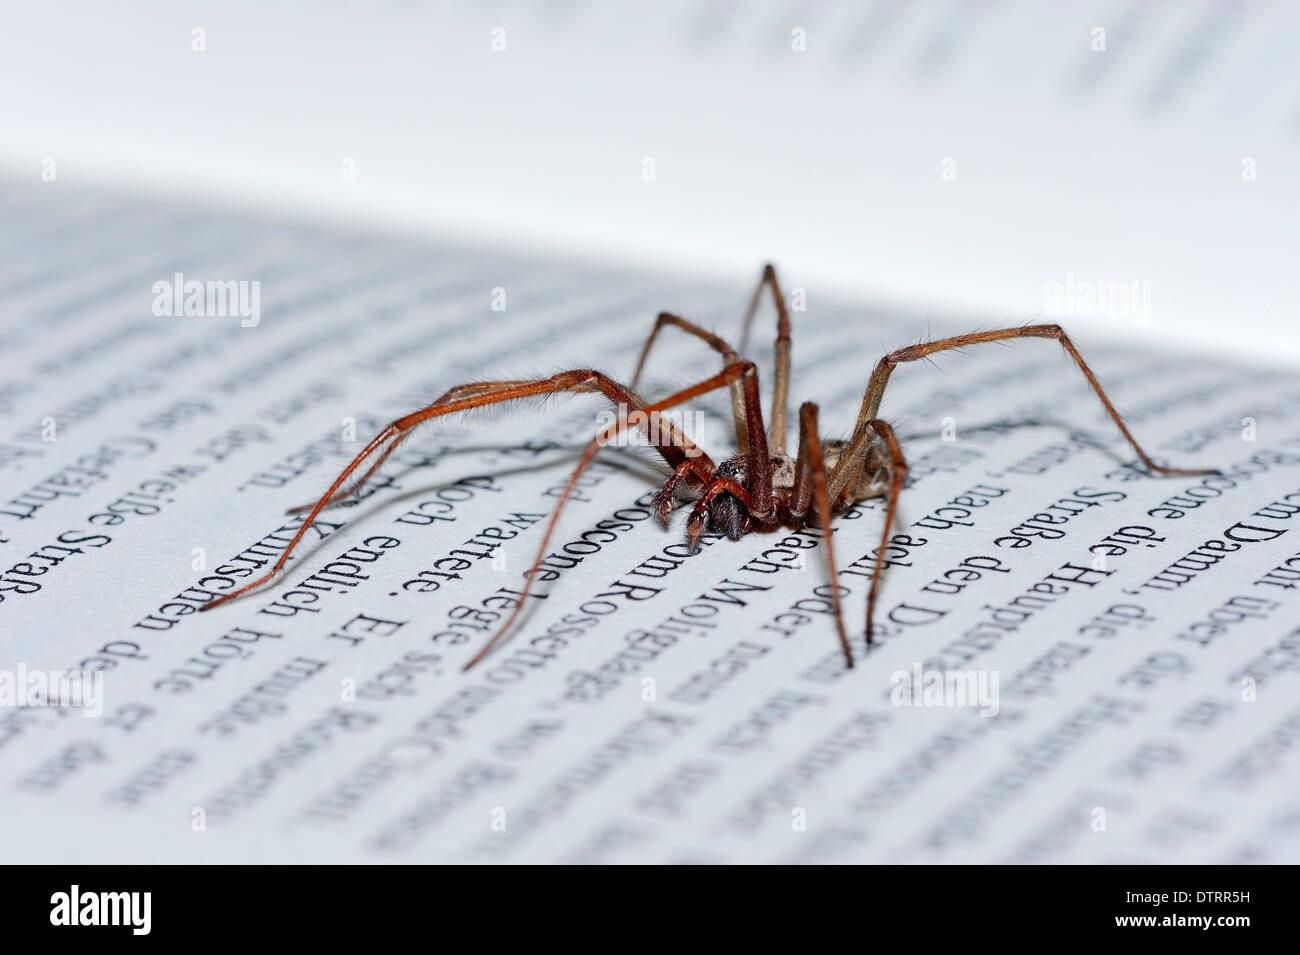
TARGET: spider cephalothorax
(761,487)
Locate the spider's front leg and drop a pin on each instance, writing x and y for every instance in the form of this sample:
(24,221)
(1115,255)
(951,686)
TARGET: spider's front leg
(460,391)
(675,446)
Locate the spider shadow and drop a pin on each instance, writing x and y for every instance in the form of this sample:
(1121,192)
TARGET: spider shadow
(556,456)
(1078,434)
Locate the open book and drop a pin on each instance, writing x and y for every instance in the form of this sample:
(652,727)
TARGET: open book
(1074,660)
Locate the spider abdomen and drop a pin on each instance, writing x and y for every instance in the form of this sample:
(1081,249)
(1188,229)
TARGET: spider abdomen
(877,469)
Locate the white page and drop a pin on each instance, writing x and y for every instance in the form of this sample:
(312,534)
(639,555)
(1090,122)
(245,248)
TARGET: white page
(943,153)
(752,742)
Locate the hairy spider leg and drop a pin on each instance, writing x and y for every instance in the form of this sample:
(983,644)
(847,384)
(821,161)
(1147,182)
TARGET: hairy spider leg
(885,367)
(718,344)
(580,380)
(475,388)
(852,462)
(781,379)
(746,409)
(781,384)
(810,484)
(868,424)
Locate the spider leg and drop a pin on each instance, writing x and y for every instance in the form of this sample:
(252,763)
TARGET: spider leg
(747,411)
(475,388)
(810,483)
(885,367)
(899,469)
(801,494)
(781,384)
(663,502)
(699,463)
(715,342)
(674,451)
(781,381)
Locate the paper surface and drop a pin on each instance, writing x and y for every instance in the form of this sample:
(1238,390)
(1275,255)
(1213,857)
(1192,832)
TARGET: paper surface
(1136,636)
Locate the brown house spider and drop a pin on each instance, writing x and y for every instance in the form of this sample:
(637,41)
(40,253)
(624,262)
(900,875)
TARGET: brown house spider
(761,486)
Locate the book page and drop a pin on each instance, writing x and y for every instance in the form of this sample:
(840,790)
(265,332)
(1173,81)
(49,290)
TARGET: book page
(1074,661)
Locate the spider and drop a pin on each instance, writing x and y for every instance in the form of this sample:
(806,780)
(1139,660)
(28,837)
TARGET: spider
(761,487)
